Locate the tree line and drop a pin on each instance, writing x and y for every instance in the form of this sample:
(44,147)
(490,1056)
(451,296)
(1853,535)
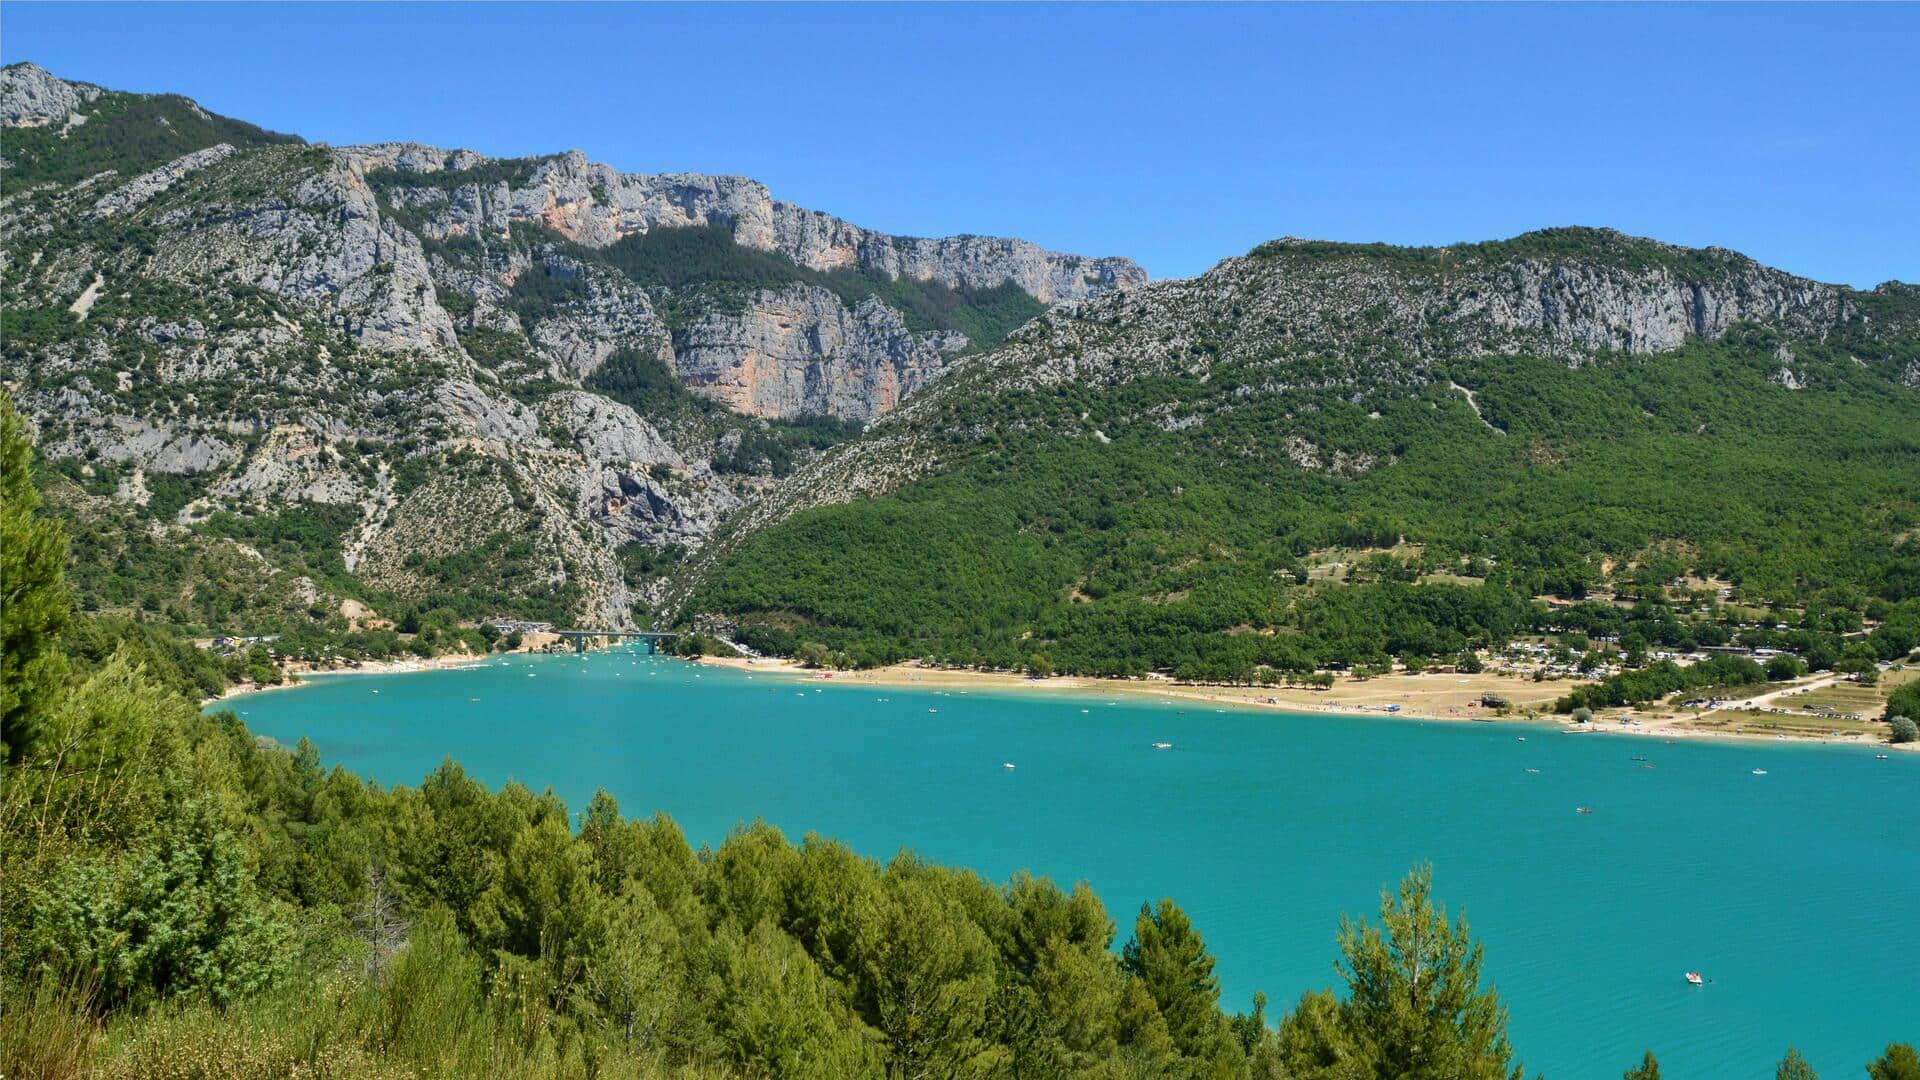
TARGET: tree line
(184,900)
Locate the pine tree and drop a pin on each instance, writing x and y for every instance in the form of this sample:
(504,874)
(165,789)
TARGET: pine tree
(1898,1063)
(1415,1009)
(1170,960)
(33,596)
(1794,1067)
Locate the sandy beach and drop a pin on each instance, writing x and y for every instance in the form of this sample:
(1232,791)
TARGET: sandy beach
(298,671)
(1440,696)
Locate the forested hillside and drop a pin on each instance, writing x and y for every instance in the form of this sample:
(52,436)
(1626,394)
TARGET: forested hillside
(184,900)
(1330,454)
(314,391)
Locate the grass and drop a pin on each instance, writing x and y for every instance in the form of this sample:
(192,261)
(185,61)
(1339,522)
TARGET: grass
(1755,722)
(1843,698)
(424,1014)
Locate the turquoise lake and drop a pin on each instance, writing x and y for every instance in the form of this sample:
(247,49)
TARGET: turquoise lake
(1794,892)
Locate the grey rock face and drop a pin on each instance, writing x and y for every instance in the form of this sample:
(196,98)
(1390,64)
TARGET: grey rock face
(607,431)
(615,314)
(294,466)
(30,97)
(801,351)
(587,203)
(596,205)
(1627,296)
(144,187)
(822,242)
(469,409)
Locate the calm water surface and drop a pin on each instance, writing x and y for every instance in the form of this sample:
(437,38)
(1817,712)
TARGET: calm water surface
(1794,892)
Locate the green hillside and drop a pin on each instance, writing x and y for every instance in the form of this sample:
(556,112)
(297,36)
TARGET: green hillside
(128,132)
(1073,527)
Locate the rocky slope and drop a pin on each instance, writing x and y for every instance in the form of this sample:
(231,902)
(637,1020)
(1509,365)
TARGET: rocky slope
(483,383)
(1298,329)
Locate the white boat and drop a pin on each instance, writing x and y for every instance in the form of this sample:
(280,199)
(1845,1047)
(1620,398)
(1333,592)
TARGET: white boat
(1759,772)
(1693,977)
(1163,746)
(1006,764)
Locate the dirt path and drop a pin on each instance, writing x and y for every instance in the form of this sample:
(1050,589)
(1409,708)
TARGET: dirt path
(1473,402)
(84,302)
(1772,695)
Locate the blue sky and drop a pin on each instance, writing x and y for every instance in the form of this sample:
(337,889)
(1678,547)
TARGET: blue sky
(1175,135)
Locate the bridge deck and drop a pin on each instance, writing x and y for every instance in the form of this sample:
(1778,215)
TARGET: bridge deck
(581,637)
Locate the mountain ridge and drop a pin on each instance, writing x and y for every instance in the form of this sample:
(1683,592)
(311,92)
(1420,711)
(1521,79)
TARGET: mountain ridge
(1470,400)
(256,323)
(395,377)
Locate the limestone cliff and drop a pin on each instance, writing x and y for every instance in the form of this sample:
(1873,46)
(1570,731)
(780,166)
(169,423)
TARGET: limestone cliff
(437,352)
(466,194)
(802,351)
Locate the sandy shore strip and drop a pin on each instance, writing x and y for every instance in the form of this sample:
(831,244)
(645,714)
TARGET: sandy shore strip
(297,673)
(1442,696)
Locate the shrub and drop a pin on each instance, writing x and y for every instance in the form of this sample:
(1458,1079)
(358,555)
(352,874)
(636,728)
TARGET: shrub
(1905,730)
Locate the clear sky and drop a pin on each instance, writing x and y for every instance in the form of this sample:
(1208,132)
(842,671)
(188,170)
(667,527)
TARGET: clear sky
(1175,135)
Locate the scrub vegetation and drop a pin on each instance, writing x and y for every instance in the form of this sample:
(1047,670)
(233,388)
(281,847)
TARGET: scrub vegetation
(1203,551)
(185,900)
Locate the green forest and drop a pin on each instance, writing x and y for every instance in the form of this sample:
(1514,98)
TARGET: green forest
(185,900)
(1205,551)
(128,132)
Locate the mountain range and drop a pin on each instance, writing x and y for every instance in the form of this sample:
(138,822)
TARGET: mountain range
(291,384)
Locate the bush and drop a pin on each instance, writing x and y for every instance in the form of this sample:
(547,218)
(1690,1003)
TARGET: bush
(1583,715)
(1905,730)
(1904,701)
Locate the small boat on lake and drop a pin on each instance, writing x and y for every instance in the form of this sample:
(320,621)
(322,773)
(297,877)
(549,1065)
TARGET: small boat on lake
(1694,979)
(1583,809)
(1163,746)
(1759,772)
(1006,764)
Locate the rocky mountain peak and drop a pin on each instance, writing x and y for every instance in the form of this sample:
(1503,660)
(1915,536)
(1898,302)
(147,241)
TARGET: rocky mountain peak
(30,96)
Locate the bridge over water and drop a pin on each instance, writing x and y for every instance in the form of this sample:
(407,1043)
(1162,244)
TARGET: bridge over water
(583,638)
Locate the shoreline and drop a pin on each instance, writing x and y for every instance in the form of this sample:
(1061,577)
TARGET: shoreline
(1363,700)
(1428,697)
(298,673)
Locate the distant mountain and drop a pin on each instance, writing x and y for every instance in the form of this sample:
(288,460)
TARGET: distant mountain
(1330,453)
(291,386)
(373,378)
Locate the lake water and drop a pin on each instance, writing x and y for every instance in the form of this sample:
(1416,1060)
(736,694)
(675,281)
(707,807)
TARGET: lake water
(1794,892)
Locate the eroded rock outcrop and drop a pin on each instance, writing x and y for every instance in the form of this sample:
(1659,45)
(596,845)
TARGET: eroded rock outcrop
(465,194)
(802,351)
(31,97)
